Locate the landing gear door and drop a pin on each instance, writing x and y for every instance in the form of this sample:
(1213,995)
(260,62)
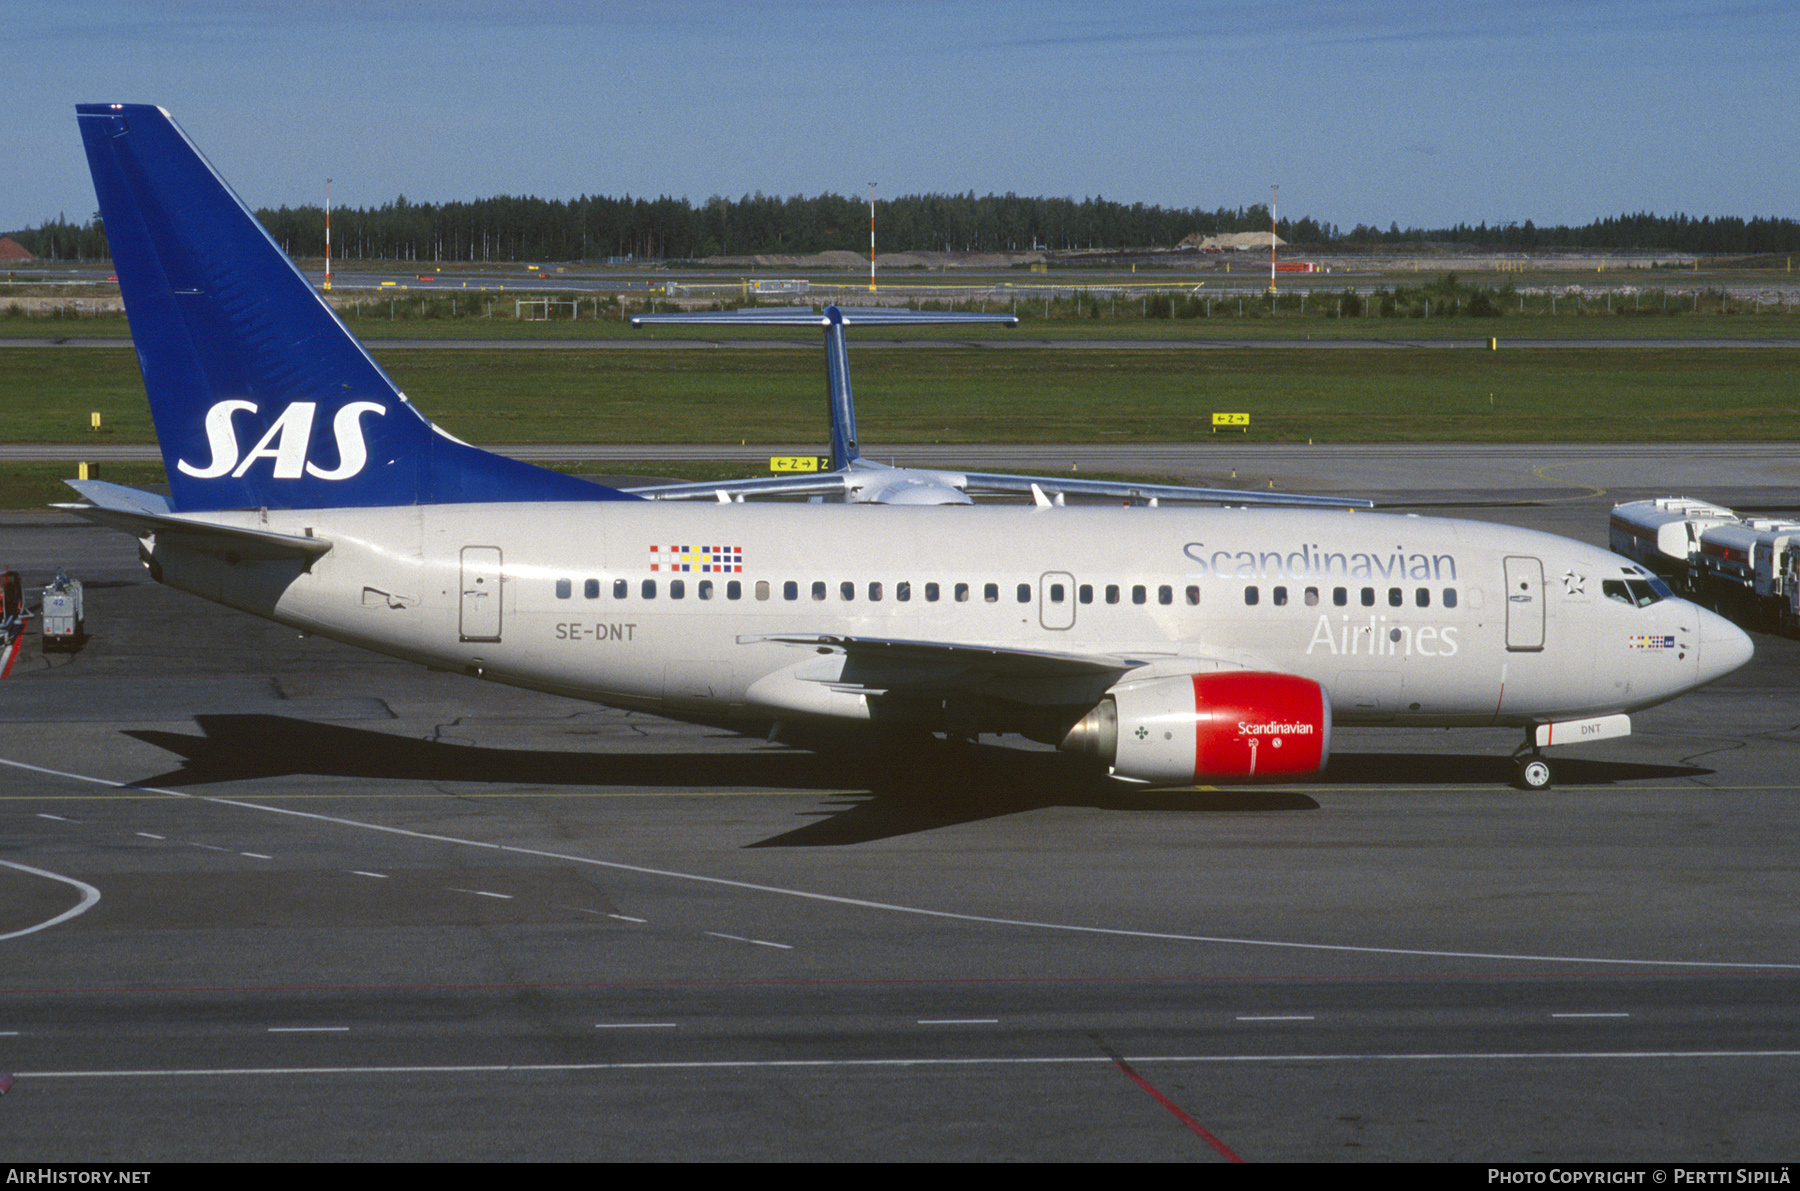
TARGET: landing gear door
(481,593)
(1524,604)
(1056,600)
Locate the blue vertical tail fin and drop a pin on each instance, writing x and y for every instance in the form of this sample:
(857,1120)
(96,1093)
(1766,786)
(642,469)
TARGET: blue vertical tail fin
(261,397)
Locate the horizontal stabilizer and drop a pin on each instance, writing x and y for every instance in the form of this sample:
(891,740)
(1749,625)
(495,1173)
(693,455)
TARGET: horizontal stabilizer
(801,316)
(142,514)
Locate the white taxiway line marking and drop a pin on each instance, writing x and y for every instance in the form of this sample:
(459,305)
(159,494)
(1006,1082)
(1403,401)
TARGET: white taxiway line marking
(1273,1017)
(891,908)
(256,855)
(635,1025)
(959,1021)
(624,918)
(741,939)
(57,818)
(360,873)
(147,835)
(1590,1015)
(480,893)
(89,896)
(1041,1061)
(309,1029)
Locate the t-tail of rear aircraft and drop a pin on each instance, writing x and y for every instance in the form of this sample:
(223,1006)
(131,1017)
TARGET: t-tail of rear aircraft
(260,395)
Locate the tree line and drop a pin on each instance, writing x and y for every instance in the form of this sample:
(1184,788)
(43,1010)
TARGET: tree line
(593,228)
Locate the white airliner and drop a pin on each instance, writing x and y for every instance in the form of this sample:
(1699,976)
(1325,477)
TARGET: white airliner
(1173,645)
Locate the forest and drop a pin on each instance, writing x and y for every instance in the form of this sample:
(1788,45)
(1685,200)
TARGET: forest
(600,228)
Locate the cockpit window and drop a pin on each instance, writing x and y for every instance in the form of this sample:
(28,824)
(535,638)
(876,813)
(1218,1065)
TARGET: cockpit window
(1639,593)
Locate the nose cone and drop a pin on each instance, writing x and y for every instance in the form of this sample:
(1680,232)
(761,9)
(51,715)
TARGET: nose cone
(1723,646)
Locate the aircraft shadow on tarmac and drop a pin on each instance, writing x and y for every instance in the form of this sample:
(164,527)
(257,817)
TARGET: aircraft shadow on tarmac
(866,795)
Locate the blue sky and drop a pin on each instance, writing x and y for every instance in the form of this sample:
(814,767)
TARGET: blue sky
(1421,113)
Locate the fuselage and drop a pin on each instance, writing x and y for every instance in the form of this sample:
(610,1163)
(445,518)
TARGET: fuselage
(671,608)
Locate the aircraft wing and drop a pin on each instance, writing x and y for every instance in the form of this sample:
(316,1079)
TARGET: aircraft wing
(864,481)
(144,513)
(992,660)
(989,484)
(824,483)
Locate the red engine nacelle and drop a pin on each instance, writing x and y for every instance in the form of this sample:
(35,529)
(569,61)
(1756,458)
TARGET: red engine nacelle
(1232,725)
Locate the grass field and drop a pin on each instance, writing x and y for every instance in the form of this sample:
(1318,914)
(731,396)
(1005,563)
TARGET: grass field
(967,395)
(1043,395)
(1536,323)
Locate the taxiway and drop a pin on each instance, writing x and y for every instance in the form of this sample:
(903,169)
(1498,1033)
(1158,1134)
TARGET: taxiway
(345,908)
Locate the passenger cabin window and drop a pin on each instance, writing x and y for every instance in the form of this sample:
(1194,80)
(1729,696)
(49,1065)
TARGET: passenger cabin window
(649,589)
(903,592)
(620,589)
(1138,594)
(1422,597)
(1396,597)
(818,590)
(962,593)
(1279,597)
(1112,593)
(1368,597)
(734,590)
(591,589)
(1086,592)
(931,593)
(1193,594)
(874,592)
(564,589)
(1312,597)
(1449,597)
(1024,593)
(1251,595)
(790,590)
(1340,596)
(677,589)
(847,590)
(1056,593)
(991,592)
(704,589)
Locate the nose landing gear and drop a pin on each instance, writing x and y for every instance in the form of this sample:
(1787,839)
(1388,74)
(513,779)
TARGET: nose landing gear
(1532,772)
(1531,769)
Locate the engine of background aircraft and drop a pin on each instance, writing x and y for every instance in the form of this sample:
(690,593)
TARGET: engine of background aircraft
(1233,724)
